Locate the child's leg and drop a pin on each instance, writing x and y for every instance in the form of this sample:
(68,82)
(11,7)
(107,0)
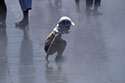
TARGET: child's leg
(60,48)
(52,51)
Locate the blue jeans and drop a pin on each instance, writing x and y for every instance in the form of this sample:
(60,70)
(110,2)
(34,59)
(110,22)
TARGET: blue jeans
(25,4)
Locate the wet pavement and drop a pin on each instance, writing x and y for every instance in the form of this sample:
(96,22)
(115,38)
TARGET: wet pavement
(94,52)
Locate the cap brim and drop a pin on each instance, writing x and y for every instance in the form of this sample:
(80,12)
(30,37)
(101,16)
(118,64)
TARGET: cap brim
(73,24)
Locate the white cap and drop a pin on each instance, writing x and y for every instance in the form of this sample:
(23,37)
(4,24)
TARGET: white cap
(63,30)
(66,18)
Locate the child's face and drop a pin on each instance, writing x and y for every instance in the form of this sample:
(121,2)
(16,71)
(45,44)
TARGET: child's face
(65,24)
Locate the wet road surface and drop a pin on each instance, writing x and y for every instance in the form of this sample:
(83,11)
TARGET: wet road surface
(94,52)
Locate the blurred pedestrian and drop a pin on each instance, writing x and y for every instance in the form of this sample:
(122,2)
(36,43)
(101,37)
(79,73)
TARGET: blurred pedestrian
(91,3)
(26,5)
(3,13)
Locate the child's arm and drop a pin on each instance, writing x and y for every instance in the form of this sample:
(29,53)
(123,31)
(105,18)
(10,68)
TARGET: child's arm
(51,45)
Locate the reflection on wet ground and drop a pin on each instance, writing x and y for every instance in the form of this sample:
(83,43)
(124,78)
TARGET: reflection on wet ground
(3,55)
(26,67)
(54,73)
(94,51)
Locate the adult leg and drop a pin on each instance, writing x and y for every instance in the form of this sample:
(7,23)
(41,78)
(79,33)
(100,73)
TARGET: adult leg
(25,6)
(77,5)
(97,4)
(3,12)
(24,21)
(77,2)
(89,3)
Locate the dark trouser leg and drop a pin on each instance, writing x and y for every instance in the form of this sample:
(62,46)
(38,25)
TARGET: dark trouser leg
(3,12)
(97,4)
(89,3)
(77,1)
(77,5)
(25,14)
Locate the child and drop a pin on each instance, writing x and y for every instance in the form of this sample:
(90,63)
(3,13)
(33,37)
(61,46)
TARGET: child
(54,43)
